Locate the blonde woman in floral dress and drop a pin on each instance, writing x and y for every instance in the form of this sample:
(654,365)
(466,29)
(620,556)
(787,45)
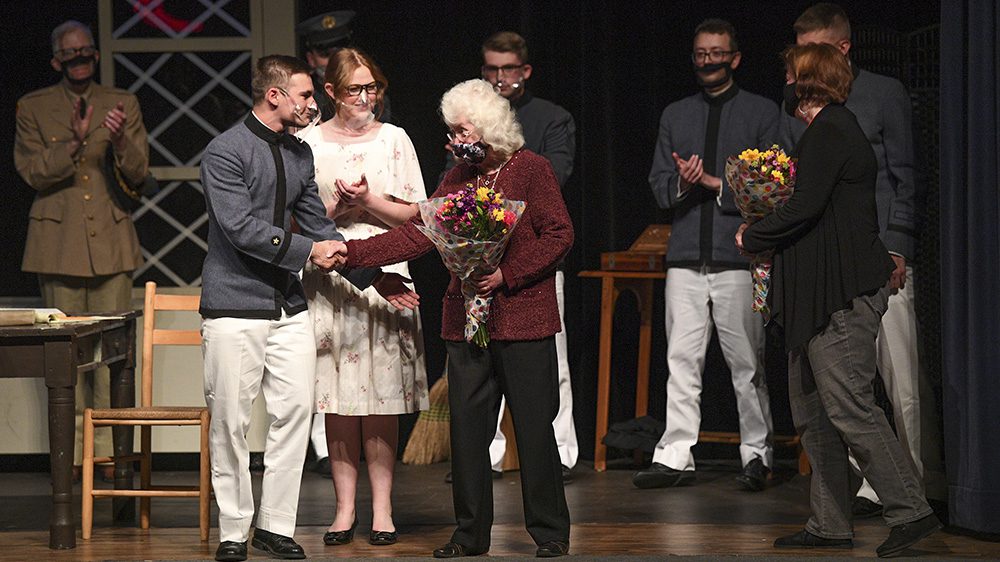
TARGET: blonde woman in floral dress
(370,363)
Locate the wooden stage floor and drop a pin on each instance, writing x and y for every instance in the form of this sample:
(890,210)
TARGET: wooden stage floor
(611,518)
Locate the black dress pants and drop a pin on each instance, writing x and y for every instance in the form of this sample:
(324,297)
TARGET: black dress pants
(527,374)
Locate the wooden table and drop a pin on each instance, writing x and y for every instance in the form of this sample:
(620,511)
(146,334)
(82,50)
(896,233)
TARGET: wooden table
(59,353)
(612,285)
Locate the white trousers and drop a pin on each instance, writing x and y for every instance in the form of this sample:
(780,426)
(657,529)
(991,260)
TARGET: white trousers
(899,365)
(695,300)
(563,425)
(242,358)
(318,436)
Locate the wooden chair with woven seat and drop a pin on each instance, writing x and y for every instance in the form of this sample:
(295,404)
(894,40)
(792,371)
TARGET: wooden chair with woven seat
(146,416)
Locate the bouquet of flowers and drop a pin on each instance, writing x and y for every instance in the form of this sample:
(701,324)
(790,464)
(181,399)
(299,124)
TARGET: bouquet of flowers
(470,229)
(762,181)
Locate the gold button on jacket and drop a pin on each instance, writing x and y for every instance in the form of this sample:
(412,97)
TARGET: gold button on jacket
(62,239)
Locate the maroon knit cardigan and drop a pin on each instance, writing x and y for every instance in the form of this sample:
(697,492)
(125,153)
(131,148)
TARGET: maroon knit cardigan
(525,308)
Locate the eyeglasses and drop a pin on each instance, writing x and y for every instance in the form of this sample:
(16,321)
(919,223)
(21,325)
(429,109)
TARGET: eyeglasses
(460,135)
(66,54)
(710,56)
(370,88)
(490,70)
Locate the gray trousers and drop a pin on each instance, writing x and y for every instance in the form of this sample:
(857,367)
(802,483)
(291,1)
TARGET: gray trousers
(833,406)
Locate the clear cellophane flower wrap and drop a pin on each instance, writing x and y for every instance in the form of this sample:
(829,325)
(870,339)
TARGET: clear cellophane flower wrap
(465,255)
(761,182)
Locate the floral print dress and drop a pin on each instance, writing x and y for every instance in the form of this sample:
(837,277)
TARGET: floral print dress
(370,358)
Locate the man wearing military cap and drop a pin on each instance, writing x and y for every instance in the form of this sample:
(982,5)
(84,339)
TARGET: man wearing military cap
(324,34)
(80,243)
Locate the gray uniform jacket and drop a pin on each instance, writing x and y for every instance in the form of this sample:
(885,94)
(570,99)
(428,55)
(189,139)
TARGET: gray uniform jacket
(255,180)
(703,226)
(884,112)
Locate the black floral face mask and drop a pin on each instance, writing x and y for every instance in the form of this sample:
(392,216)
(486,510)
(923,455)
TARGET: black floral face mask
(470,152)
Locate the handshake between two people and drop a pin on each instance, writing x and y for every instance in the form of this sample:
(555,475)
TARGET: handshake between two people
(329,255)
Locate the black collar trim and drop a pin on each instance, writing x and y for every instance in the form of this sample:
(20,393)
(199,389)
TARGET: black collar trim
(261,130)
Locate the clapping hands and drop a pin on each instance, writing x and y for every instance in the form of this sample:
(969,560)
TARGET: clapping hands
(353,193)
(692,172)
(114,122)
(328,254)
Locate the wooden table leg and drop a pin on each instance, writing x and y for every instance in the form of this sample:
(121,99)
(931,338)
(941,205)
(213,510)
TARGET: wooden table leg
(60,378)
(123,396)
(608,297)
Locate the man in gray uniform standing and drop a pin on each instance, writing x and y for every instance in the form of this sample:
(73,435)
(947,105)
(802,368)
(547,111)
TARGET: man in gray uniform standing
(883,109)
(256,332)
(708,282)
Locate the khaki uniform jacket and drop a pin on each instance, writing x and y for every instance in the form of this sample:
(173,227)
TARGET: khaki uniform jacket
(75,228)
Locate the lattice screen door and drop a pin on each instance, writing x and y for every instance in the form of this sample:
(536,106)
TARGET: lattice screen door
(188,62)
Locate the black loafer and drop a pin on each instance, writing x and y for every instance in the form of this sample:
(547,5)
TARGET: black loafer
(662,476)
(864,508)
(805,539)
(231,551)
(333,538)
(382,538)
(552,549)
(455,550)
(322,467)
(754,475)
(277,545)
(905,535)
(567,474)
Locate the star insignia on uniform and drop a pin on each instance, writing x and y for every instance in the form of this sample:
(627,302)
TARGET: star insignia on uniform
(275,241)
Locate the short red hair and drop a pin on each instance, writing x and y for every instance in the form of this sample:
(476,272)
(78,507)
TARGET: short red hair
(822,73)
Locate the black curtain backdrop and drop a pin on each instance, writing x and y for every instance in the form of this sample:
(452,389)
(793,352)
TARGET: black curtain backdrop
(613,65)
(970,254)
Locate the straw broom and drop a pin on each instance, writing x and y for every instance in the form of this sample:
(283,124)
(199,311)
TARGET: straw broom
(430,440)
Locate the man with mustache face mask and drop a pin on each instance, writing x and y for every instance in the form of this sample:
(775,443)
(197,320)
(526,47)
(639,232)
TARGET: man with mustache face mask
(80,243)
(708,281)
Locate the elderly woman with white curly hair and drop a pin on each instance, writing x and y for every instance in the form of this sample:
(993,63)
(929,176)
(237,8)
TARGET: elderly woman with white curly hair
(520,361)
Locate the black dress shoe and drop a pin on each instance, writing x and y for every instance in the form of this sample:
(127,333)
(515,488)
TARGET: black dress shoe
(333,538)
(754,475)
(661,476)
(454,550)
(497,475)
(905,535)
(552,549)
(864,508)
(567,474)
(322,467)
(805,539)
(231,551)
(382,538)
(279,546)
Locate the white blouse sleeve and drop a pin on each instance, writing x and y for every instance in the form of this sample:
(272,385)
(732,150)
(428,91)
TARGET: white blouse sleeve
(405,181)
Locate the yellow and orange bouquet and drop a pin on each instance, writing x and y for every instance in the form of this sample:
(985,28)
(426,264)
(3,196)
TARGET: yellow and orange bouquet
(762,181)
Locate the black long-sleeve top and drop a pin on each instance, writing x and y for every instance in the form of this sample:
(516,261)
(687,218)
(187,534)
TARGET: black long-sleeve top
(826,237)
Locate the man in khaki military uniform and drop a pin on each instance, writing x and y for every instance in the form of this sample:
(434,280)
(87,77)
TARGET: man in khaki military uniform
(80,243)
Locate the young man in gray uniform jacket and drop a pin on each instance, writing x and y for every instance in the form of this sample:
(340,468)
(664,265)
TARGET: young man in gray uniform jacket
(883,109)
(256,331)
(707,280)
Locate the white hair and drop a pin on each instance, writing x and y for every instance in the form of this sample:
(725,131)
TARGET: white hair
(490,113)
(66,27)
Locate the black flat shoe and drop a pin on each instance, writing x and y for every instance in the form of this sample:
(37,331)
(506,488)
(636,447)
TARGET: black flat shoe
(455,550)
(231,551)
(277,545)
(905,535)
(333,538)
(805,539)
(382,538)
(552,549)
(662,476)
(754,475)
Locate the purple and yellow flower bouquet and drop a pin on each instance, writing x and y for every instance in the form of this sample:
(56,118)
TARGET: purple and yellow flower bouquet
(762,181)
(470,229)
